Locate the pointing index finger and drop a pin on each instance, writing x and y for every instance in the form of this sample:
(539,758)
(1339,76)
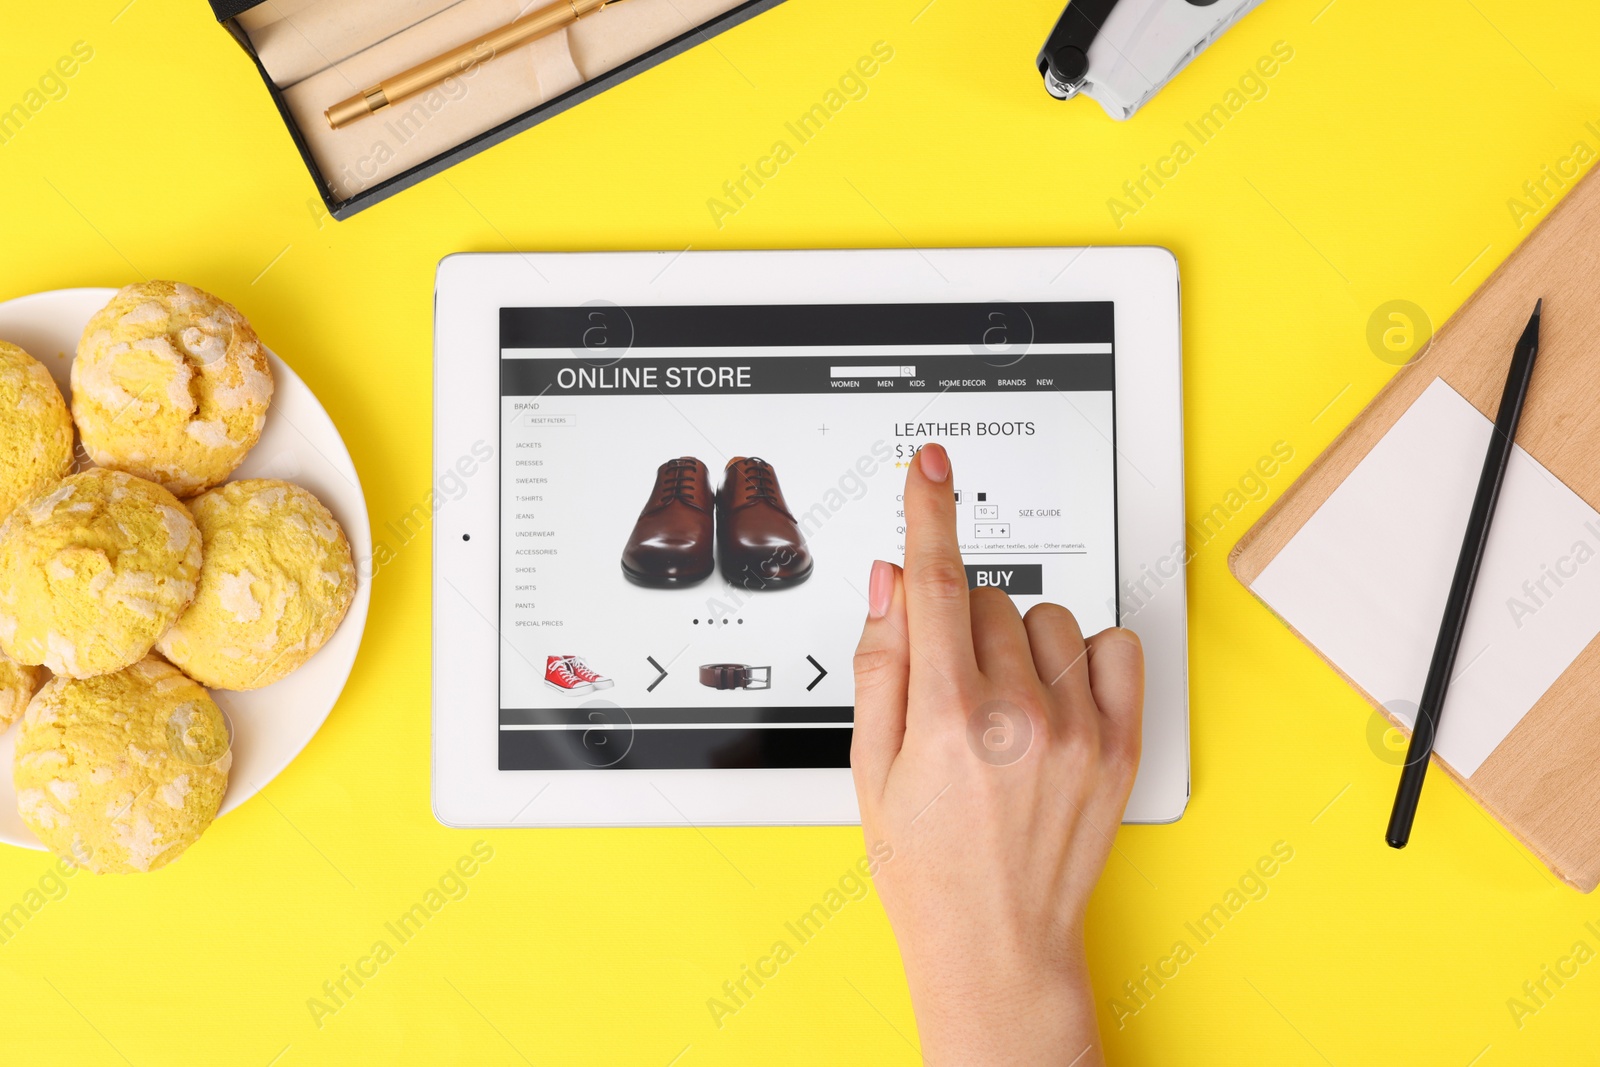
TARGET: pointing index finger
(939,620)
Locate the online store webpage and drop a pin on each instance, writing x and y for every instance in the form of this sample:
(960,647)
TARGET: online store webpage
(692,498)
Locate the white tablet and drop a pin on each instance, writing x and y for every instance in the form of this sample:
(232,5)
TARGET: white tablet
(660,480)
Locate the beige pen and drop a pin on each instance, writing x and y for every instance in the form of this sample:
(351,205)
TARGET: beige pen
(459,60)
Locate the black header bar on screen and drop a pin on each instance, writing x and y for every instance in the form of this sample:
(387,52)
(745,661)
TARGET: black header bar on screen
(732,375)
(609,328)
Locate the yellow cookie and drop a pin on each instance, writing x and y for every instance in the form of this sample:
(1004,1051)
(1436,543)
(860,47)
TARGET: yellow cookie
(18,683)
(124,771)
(92,572)
(277,579)
(35,432)
(170,384)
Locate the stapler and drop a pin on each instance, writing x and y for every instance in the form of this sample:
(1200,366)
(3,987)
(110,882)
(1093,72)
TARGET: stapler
(1121,52)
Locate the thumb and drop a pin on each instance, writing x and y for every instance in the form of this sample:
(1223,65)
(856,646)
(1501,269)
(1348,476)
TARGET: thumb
(882,674)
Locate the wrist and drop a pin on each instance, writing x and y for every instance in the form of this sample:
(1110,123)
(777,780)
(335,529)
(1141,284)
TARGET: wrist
(1007,1008)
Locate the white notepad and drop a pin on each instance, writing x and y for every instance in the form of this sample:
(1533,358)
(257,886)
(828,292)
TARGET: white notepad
(1365,580)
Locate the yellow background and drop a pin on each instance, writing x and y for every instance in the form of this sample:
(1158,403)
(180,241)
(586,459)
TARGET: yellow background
(1377,167)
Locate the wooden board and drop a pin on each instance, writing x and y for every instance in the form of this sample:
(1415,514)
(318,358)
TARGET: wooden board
(1543,781)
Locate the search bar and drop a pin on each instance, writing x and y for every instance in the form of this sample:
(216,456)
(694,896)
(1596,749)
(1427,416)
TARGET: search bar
(872,372)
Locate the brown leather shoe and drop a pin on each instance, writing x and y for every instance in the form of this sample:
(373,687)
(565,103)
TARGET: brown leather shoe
(759,544)
(671,542)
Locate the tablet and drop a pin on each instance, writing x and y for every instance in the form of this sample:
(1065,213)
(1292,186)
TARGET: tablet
(660,481)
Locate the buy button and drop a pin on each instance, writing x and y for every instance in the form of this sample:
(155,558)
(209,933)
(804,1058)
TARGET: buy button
(1018,579)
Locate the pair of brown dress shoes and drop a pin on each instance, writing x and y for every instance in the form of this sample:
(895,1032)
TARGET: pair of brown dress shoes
(758,542)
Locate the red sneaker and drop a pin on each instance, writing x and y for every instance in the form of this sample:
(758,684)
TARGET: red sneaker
(587,674)
(559,675)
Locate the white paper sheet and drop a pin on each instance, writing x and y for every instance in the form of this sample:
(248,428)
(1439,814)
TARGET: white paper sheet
(1365,580)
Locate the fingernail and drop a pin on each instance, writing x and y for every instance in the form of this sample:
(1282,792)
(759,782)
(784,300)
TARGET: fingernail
(880,589)
(935,462)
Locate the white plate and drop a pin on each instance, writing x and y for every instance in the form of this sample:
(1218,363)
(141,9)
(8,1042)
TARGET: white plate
(300,444)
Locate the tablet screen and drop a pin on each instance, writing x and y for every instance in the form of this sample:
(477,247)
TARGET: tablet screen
(691,498)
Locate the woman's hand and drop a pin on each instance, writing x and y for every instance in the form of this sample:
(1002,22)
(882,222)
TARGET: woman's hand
(994,754)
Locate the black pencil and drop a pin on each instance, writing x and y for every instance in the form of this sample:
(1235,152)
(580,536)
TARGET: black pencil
(1467,566)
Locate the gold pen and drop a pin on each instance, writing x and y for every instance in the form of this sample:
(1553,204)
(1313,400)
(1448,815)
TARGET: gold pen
(426,75)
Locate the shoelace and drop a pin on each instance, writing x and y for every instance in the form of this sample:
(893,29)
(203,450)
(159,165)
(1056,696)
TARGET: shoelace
(581,669)
(681,486)
(760,482)
(563,671)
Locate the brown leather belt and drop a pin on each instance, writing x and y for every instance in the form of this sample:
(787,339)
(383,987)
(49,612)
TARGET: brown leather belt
(735,676)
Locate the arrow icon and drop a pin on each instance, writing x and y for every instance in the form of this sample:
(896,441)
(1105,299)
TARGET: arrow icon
(822,672)
(651,687)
